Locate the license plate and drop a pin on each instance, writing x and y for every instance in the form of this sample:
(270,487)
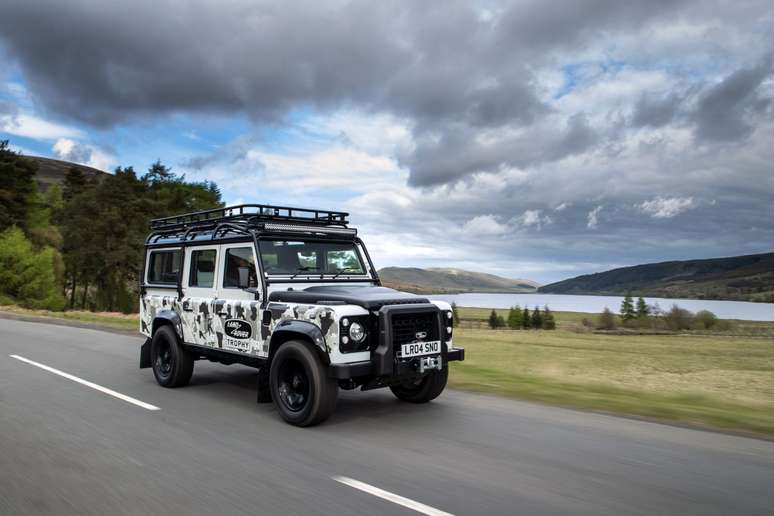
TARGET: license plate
(416,349)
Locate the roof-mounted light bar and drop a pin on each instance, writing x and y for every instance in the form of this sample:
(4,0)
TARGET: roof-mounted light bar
(299,228)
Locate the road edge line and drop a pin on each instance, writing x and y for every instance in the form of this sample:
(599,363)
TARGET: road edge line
(105,390)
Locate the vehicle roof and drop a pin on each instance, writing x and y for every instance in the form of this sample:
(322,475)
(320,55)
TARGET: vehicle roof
(248,222)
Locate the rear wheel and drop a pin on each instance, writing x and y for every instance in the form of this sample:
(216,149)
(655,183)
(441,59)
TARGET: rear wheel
(300,387)
(172,363)
(423,390)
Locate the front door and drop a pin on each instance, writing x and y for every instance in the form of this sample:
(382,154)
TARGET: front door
(238,308)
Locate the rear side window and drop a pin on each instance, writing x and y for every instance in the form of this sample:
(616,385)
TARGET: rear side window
(163,267)
(202,269)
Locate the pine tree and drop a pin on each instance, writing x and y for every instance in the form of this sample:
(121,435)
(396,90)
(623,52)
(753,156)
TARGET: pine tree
(549,323)
(627,308)
(643,310)
(455,315)
(537,319)
(525,319)
(514,318)
(493,320)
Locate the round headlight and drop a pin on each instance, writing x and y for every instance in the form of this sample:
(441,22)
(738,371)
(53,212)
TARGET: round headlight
(357,332)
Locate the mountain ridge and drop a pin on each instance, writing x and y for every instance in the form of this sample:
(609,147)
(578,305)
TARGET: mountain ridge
(735,278)
(449,280)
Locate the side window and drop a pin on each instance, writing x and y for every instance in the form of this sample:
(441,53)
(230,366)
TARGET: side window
(163,267)
(202,269)
(236,258)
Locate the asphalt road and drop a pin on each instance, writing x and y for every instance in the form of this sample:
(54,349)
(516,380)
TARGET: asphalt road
(66,448)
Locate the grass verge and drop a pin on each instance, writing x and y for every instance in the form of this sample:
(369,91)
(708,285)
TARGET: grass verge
(129,322)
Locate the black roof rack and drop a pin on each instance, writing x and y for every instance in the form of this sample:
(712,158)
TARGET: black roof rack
(251,215)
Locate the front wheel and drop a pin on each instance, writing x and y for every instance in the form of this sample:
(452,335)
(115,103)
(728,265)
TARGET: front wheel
(300,387)
(422,390)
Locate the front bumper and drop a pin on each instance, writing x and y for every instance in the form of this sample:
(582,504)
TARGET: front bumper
(369,368)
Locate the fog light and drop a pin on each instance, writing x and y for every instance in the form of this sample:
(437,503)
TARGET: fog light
(357,332)
(345,322)
(344,340)
(448,329)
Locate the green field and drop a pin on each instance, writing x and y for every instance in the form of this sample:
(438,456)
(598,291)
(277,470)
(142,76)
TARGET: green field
(724,380)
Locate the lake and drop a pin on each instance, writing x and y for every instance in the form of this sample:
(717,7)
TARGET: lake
(595,304)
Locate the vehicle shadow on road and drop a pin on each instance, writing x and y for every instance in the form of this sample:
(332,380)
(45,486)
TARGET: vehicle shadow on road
(352,406)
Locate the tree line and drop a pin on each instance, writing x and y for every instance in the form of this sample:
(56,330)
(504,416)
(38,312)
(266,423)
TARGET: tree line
(642,315)
(523,319)
(79,245)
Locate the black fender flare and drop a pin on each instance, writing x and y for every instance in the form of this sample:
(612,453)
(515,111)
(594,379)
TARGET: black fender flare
(168,317)
(302,330)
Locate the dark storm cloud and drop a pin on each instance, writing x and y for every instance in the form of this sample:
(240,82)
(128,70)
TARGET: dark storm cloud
(725,111)
(655,111)
(450,67)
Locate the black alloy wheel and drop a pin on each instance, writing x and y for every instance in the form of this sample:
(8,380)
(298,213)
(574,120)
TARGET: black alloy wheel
(172,363)
(293,385)
(300,387)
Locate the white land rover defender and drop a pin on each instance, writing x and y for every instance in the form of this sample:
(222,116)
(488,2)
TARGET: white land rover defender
(292,292)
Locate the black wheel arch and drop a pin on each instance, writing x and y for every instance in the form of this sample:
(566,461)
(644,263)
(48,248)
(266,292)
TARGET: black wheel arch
(308,333)
(162,318)
(171,318)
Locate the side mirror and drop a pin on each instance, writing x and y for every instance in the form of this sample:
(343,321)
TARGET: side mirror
(244,277)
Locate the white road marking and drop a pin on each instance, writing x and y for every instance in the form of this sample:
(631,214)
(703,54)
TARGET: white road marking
(392,497)
(87,383)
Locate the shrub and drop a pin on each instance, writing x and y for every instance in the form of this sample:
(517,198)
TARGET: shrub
(705,320)
(606,320)
(678,319)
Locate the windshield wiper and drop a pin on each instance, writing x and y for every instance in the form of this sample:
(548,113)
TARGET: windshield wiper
(304,269)
(342,271)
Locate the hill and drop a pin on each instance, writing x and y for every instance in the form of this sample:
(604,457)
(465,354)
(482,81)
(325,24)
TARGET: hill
(53,171)
(451,281)
(740,278)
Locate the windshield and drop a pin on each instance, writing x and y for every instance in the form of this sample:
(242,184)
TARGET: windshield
(310,257)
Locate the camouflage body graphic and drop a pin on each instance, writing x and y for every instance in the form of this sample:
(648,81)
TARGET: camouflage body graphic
(204,319)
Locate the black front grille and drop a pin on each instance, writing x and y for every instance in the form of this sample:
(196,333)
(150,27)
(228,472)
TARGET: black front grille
(406,326)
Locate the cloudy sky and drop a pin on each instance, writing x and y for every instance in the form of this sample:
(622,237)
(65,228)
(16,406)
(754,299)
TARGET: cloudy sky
(529,138)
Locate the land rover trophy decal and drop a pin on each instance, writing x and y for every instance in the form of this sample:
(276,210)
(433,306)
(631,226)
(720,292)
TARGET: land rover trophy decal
(238,329)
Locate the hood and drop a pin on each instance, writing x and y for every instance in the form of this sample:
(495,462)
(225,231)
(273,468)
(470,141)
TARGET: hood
(370,298)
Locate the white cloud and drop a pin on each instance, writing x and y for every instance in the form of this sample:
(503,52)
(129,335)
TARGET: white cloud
(666,208)
(485,225)
(592,220)
(336,166)
(29,126)
(532,218)
(71,150)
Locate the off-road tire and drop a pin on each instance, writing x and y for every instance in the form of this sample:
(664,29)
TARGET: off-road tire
(172,364)
(429,388)
(290,360)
